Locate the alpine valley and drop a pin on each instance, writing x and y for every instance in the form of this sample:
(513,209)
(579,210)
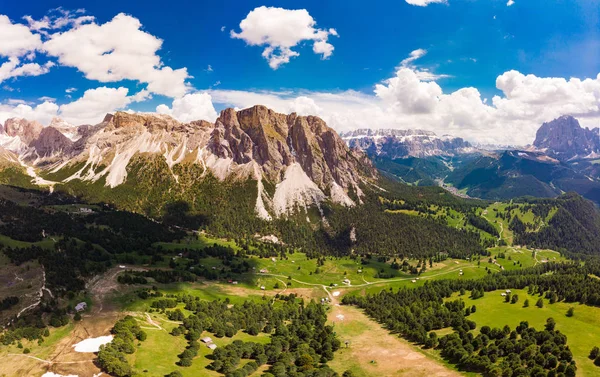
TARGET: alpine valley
(346,189)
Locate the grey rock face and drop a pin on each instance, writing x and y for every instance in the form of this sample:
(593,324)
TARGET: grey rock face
(565,139)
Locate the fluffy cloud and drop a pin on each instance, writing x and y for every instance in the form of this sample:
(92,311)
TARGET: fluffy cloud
(422,73)
(89,109)
(406,101)
(43,112)
(424,3)
(117,50)
(95,103)
(279,30)
(195,106)
(17,40)
(57,19)
(510,3)
(408,94)
(14,68)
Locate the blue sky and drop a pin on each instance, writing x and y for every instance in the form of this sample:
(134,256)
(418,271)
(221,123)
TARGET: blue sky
(470,43)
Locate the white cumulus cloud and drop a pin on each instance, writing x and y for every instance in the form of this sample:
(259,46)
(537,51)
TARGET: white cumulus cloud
(194,106)
(16,39)
(117,50)
(279,30)
(96,103)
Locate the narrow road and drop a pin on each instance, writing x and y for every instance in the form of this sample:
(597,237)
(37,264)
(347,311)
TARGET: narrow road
(49,361)
(326,288)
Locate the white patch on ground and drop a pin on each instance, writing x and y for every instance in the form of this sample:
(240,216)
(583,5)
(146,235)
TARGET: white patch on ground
(52,374)
(338,195)
(37,179)
(220,167)
(12,143)
(116,172)
(260,208)
(296,189)
(92,344)
(340,317)
(336,293)
(272,239)
(170,155)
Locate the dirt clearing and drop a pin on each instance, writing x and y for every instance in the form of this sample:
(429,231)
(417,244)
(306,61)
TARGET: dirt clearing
(373,352)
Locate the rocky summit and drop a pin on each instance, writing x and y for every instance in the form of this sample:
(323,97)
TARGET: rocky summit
(565,139)
(304,159)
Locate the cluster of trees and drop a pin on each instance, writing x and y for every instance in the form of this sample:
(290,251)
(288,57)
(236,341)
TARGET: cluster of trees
(574,229)
(8,302)
(111,358)
(301,347)
(481,223)
(300,341)
(414,313)
(502,352)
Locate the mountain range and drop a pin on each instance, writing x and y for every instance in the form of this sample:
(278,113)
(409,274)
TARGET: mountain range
(297,161)
(563,157)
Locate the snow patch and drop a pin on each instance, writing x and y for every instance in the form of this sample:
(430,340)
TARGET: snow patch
(92,344)
(296,189)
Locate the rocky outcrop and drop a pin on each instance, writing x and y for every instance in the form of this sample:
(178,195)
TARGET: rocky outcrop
(26,130)
(50,142)
(394,144)
(276,141)
(565,139)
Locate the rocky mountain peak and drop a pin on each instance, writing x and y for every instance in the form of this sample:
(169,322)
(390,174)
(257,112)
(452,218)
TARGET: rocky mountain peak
(152,122)
(565,139)
(51,141)
(26,130)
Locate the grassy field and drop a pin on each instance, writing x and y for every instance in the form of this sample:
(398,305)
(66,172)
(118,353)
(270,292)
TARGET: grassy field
(157,355)
(582,330)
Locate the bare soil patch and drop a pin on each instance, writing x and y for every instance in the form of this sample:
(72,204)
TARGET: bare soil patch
(373,352)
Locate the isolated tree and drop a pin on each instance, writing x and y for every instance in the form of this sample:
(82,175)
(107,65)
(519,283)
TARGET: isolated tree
(594,353)
(571,312)
(540,303)
(526,303)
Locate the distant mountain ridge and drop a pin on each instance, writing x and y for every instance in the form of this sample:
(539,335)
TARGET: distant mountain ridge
(393,143)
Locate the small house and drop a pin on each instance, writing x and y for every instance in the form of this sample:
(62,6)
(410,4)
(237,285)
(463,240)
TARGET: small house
(414,281)
(264,271)
(503,294)
(262,288)
(81,306)
(207,340)
(234,282)
(212,346)
(508,291)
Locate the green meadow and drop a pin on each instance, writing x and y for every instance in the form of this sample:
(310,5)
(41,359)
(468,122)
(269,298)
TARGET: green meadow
(582,330)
